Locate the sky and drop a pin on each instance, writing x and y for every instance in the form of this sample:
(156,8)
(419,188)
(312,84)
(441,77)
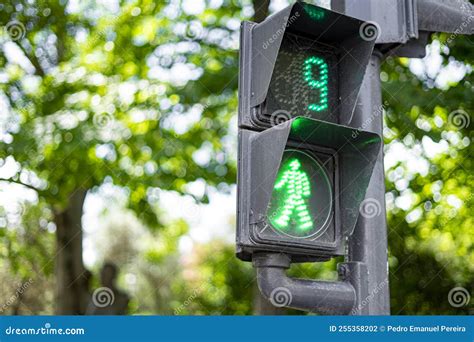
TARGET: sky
(217,219)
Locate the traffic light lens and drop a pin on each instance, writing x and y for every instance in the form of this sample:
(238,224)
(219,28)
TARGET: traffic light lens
(301,201)
(320,83)
(295,183)
(304,80)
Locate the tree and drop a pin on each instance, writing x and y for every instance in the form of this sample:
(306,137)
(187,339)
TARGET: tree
(26,254)
(430,221)
(89,98)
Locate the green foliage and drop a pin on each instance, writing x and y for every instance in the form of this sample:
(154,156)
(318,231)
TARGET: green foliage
(94,102)
(87,98)
(26,267)
(431,242)
(215,283)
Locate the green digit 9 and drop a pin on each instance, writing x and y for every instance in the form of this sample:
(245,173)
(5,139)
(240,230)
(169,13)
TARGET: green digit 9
(321,83)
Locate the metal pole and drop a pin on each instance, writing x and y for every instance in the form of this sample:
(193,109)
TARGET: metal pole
(322,297)
(368,244)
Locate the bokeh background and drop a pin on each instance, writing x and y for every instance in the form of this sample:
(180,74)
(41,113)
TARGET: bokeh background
(118,144)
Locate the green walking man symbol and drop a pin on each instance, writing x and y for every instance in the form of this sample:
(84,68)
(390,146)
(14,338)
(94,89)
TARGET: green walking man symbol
(295,187)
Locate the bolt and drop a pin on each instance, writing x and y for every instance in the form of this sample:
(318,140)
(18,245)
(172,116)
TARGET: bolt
(343,271)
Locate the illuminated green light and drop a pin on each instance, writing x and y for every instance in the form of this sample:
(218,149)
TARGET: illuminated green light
(294,185)
(314,13)
(301,201)
(321,83)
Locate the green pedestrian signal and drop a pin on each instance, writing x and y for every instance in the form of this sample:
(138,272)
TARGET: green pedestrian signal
(295,186)
(301,203)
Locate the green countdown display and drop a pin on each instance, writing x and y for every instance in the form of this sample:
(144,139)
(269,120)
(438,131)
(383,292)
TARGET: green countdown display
(315,13)
(320,83)
(301,203)
(304,81)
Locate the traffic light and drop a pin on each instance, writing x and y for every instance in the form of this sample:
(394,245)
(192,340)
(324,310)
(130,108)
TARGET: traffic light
(302,61)
(302,171)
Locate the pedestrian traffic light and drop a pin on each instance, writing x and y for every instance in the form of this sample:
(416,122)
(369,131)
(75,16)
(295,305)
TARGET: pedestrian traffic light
(302,61)
(304,165)
(300,186)
(302,171)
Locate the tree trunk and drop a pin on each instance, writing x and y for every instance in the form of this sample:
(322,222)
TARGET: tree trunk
(261,10)
(69,265)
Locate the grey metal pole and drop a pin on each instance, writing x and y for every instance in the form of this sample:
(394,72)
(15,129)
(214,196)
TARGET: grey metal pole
(368,244)
(322,297)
